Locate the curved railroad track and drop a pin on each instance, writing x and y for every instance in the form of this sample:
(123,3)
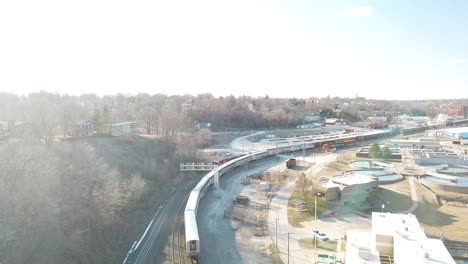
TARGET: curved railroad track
(178,236)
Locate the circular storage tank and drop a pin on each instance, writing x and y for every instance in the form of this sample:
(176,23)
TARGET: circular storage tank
(460,185)
(368,164)
(382,175)
(453,171)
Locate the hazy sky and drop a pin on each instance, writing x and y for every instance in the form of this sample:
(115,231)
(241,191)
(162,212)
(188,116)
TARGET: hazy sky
(395,49)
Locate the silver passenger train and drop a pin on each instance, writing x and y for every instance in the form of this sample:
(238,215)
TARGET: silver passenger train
(190,215)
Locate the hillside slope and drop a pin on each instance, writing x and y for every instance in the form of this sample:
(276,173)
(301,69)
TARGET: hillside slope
(81,201)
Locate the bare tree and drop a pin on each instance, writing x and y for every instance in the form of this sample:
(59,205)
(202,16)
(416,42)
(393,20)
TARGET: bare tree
(150,119)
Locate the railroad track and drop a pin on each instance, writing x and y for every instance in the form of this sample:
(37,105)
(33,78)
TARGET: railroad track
(178,237)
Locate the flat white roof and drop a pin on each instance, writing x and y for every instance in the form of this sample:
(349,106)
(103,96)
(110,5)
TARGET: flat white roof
(123,123)
(356,241)
(410,243)
(353,178)
(391,224)
(457,130)
(329,184)
(416,142)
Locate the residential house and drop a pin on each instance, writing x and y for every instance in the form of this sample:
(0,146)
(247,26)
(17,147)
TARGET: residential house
(84,128)
(123,128)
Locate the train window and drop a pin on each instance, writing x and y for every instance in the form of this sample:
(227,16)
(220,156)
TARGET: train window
(193,245)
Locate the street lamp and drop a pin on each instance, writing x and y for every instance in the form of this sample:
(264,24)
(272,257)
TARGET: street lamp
(315,223)
(288,246)
(277,219)
(315,207)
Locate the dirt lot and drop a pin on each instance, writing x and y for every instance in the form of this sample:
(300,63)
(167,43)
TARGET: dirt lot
(249,222)
(451,219)
(398,195)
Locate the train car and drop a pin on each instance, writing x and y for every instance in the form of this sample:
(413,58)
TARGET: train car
(327,146)
(191,230)
(227,167)
(259,155)
(192,202)
(192,240)
(294,148)
(338,145)
(206,180)
(350,142)
(309,146)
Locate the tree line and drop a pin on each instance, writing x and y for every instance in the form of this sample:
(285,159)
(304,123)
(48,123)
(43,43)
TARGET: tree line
(48,115)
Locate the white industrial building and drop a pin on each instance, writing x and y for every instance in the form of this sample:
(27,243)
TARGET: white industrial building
(453,133)
(395,238)
(120,129)
(426,143)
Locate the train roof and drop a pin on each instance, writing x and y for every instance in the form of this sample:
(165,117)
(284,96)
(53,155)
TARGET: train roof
(191,229)
(234,161)
(192,201)
(203,181)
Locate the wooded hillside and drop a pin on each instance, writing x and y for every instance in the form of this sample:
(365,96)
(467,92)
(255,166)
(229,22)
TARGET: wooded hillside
(83,201)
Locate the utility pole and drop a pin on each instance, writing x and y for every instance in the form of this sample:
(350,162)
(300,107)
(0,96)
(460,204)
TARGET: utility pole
(216,176)
(288,247)
(315,207)
(277,219)
(303,149)
(276,148)
(315,223)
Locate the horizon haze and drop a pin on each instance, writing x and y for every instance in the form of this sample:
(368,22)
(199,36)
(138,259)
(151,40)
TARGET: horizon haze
(375,49)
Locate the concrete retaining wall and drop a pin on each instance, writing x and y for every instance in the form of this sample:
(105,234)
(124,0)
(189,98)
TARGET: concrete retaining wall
(438,161)
(447,188)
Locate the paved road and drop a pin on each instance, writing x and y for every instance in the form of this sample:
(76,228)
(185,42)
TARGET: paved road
(278,214)
(414,197)
(242,144)
(151,248)
(217,237)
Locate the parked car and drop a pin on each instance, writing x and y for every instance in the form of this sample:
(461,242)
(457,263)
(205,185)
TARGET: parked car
(332,215)
(323,178)
(241,199)
(320,235)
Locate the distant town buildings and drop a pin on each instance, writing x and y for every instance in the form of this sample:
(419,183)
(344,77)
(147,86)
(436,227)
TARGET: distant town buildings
(421,143)
(377,118)
(205,125)
(458,110)
(309,125)
(313,117)
(443,118)
(84,128)
(123,128)
(452,133)
(7,126)
(188,106)
(335,122)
